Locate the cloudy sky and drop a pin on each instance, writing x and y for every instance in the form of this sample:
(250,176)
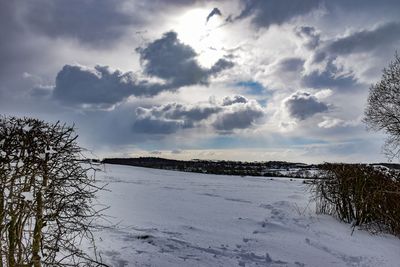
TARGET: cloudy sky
(238,79)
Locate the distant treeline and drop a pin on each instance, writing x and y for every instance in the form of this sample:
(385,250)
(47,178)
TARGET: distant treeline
(268,169)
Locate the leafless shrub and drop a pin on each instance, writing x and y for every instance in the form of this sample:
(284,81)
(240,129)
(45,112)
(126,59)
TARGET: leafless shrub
(47,196)
(360,194)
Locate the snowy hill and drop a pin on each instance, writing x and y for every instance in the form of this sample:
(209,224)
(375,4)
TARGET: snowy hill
(168,218)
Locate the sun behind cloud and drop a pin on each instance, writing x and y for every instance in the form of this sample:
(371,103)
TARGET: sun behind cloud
(205,36)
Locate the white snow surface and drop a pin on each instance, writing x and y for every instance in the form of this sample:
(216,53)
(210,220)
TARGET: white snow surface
(168,218)
(28,196)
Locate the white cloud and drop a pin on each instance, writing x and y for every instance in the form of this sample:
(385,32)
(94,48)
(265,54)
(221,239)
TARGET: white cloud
(280,52)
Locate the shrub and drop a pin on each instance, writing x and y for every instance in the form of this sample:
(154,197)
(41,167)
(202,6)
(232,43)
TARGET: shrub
(46,195)
(363,195)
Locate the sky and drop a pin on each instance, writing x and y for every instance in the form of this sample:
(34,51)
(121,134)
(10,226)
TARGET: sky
(230,80)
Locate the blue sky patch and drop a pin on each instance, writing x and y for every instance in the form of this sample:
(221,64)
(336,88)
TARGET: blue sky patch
(254,88)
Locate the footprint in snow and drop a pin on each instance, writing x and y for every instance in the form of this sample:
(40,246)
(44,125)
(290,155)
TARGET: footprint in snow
(209,195)
(348,260)
(266,206)
(251,258)
(238,200)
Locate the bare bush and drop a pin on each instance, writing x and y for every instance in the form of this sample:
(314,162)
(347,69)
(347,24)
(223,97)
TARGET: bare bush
(360,194)
(46,196)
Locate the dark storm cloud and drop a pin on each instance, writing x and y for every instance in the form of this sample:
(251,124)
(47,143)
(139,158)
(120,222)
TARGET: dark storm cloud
(177,111)
(94,22)
(220,65)
(41,92)
(238,116)
(239,113)
(214,12)
(166,58)
(169,59)
(77,85)
(98,23)
(265,13)
(319,56)
(9,29)
(366,40)
(363,5)
(227,101)
(16,51)
(268,12)
(379,43)
(310,35)
(101,86)
(330,77)
(292,64)
(169,118)
(380,39)
(302,105)
(149,125)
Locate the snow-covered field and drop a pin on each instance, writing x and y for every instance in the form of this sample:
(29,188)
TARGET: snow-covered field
(168,218)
